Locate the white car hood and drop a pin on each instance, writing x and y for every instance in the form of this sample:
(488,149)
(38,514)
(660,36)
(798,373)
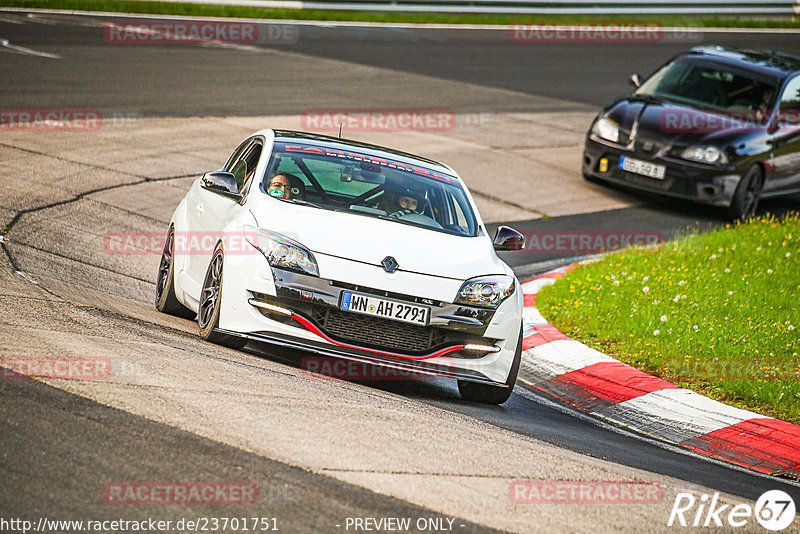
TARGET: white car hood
(369,240)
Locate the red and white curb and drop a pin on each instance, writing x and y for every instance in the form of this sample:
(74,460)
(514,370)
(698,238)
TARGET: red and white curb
(597,384)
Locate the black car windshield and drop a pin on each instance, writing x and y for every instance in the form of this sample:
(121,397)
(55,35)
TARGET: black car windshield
(709,85)
(363,184)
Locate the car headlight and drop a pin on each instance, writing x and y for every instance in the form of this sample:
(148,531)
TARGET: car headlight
(705,154)
(282,252)
(607,129)
(485,291)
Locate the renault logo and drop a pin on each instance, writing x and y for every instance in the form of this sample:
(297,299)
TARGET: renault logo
(389,264)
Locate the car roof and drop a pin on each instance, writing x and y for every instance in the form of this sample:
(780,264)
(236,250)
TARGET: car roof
(765,62)
(373,150)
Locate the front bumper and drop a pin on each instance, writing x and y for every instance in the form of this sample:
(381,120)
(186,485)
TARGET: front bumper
(696,182)
(414,368)
(302,312)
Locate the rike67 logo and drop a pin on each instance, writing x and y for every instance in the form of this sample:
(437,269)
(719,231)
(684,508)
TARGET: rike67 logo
(774,510)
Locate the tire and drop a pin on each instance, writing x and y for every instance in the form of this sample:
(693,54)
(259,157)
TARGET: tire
(209,308)
(488,394)
(745,200)
(166,301)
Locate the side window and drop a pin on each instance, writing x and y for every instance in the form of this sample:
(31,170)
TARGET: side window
(236,155)
(790,100)
(239,171)
(251,161)
(461,220)
(790,104)
(243,163)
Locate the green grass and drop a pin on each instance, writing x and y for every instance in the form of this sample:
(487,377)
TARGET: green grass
(159,8)
(718,312)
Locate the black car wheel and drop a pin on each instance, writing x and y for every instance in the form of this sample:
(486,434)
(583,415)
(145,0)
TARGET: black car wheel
(166,301)
(748,193)
(488,394)
(208,311)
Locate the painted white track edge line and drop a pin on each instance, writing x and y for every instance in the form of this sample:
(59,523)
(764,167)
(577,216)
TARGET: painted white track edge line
(532,287)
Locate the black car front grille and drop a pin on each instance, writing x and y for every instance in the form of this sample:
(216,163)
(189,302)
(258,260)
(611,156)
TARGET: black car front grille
(375,332)
(651,183)
(647,146)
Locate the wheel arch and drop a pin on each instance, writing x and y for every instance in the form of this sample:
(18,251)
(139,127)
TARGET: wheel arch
(180,224)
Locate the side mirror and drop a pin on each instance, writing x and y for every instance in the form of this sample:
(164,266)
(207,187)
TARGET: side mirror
(508,239)
(635,80)
(221,182)
(786,121)
(774,124)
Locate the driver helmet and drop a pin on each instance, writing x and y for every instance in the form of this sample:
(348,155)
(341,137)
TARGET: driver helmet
(407,197)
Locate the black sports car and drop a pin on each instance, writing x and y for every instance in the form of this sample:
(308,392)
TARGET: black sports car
(714,125)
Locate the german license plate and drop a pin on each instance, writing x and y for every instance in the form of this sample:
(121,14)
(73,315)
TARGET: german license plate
(389,309)
(645,168)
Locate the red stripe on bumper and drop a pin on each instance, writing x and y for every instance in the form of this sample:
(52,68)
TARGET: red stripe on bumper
(765,445)
(604,384)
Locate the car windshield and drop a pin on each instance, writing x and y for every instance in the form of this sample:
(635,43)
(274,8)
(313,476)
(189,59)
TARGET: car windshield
(367,185)
(708,85)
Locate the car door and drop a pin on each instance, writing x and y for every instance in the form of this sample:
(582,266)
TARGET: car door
(210,211)
(786,141)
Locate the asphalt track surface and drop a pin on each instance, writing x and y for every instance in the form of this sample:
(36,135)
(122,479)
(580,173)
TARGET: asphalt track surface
(175,80)
(71,432)
(312,66)
(60,450)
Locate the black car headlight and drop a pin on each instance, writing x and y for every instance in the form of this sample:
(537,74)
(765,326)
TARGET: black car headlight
(486,291)
(606,129)
(705,154)
(282,252)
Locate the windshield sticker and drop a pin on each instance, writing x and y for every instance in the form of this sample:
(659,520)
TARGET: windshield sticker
(321,151)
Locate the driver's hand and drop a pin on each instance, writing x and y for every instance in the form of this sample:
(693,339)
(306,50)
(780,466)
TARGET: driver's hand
(401,213)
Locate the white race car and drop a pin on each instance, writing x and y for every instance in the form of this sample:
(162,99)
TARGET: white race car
(349,250)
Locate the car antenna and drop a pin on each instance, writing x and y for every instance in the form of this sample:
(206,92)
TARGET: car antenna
(340,129)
